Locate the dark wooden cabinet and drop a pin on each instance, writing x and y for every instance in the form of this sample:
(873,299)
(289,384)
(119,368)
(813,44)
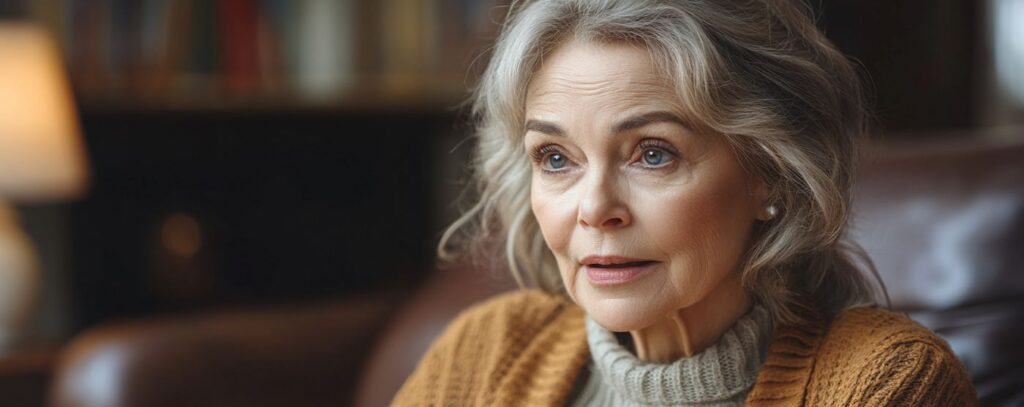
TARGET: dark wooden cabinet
(285,204)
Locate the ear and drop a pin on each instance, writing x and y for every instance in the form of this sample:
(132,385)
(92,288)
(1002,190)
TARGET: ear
(760,195)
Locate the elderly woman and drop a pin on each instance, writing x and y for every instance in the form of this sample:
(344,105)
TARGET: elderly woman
(675,176)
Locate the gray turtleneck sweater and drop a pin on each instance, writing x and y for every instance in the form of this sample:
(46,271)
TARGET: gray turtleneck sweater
(721,375)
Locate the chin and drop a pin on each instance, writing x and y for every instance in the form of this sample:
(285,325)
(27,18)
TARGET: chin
(625,313)
(629,307)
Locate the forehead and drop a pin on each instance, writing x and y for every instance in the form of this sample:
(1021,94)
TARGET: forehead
(586,71)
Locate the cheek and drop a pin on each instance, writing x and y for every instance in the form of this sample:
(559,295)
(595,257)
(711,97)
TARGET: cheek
(704,232)
(556,217)
(683,229)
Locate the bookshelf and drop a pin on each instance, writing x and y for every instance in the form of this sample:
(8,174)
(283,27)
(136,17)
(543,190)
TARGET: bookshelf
(265,121)
(199,54)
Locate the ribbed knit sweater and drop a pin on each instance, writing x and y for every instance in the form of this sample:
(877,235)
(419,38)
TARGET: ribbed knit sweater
(720,375)
(528,348)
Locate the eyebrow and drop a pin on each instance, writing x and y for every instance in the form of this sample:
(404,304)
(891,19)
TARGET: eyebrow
(636,122)
(630,123)
(548,128)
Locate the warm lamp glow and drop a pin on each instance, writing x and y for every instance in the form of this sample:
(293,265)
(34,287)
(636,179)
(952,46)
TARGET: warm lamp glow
(41,154)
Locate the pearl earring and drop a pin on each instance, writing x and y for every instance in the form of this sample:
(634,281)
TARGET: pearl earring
(772,211)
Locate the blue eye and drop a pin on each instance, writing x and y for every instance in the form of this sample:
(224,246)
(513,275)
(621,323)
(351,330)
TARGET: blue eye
(654,157)
(556,161)
(550,159)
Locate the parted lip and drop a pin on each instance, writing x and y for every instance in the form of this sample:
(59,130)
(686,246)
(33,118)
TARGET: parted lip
(593,260)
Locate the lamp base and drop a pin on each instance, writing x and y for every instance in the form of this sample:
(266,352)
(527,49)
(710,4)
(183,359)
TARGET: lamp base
(19,279)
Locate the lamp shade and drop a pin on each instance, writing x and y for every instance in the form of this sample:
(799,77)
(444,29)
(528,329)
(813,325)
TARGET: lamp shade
(41,153)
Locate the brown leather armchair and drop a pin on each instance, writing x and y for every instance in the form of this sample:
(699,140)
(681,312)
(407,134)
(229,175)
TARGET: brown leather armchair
(298,355)
(943,221)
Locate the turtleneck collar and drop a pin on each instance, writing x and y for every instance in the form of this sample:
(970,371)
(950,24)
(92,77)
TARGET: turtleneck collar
(721,374)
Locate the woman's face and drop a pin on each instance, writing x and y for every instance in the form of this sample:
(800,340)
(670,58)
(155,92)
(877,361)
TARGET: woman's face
(620,179)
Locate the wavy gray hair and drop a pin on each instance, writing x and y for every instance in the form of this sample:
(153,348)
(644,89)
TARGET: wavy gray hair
(756,72)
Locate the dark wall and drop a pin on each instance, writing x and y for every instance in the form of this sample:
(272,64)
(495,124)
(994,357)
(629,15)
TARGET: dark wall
(923,57)
(289,204)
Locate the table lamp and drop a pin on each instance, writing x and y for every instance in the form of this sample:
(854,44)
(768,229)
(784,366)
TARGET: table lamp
(41,159)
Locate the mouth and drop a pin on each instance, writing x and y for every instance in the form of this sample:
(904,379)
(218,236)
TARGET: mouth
(615,270)
(640,263)
(614,261)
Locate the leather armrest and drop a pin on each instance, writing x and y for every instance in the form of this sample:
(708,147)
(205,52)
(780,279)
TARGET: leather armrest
(305,355)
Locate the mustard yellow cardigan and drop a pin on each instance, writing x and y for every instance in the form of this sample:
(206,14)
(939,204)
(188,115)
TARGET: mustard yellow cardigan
(526,348)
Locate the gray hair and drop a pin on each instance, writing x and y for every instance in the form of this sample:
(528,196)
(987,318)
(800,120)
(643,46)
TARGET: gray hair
(756,72)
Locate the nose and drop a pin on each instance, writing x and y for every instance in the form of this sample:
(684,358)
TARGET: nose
(601,205)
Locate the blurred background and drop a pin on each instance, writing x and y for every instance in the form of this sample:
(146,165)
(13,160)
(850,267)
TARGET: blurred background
(236,155)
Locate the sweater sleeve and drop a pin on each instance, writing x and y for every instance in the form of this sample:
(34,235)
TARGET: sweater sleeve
(468,360)
(873,357)
(435,368)
(924,374)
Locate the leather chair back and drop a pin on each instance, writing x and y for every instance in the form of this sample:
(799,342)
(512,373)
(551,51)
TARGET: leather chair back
(292,355)
(944,224)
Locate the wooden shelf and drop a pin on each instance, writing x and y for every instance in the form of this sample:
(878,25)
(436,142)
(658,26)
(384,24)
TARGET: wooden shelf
(25,375)
(432,102)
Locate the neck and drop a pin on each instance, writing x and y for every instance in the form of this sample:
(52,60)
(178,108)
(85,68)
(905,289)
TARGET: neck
(688,331)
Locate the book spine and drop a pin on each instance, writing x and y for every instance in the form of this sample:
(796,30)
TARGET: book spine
(239,44)
(325,66)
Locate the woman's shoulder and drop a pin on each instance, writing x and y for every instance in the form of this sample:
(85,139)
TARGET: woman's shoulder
(512,320)
(874,355)
(483,352)
(873,327)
